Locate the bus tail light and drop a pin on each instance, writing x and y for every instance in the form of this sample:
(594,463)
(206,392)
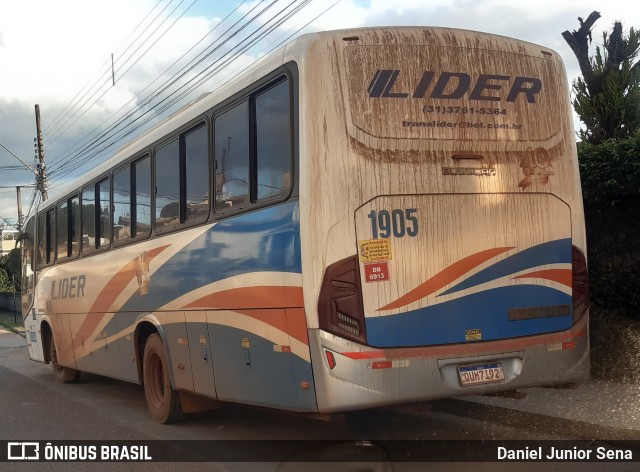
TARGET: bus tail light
(340,306)
(331,360)
(580,289)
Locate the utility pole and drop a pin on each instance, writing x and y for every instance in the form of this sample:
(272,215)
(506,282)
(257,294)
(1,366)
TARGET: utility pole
(42,168)
(20,222)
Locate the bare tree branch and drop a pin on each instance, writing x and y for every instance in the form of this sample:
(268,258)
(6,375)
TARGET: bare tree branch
(578,41)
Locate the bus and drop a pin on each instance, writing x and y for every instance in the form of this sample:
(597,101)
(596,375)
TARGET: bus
(366,217)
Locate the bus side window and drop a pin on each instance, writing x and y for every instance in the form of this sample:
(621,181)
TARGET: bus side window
(142,196)
(273,141)
(74,226)
(232,158)
(104,229)
(96,217)
(42,239)
(51,236)
(88,219)
(196,167)
(62,229)
(122,205)
(168,186)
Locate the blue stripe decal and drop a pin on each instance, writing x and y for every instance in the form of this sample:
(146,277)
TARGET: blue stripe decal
(447,322)
(553,252)
(263,240)
(272,379)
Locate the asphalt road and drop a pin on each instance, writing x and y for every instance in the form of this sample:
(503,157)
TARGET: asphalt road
(35,407)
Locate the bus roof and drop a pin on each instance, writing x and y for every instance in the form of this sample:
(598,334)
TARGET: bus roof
(291,52)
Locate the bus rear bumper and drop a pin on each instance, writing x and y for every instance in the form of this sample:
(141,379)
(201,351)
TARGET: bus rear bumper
(350,376)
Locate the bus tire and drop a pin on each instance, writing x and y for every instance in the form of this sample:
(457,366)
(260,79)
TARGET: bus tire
(60,373)
(162,400)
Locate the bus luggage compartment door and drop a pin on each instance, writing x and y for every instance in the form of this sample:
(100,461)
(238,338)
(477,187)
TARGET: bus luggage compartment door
(461,268)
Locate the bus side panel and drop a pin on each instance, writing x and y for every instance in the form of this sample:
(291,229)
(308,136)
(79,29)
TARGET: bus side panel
(62,336)
(244,272)
(256,361)
(175,329)
(213,290)
(97,352)
(200,352)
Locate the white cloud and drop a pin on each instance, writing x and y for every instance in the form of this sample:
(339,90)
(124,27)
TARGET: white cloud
(50,50)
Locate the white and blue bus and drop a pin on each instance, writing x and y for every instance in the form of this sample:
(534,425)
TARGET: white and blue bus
(366,217)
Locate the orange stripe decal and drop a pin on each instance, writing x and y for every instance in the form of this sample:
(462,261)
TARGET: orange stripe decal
(252,298)
(108,295)
(444,277)
(289,321)
(562,276)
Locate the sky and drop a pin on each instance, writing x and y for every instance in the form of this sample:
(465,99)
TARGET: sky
(59,55)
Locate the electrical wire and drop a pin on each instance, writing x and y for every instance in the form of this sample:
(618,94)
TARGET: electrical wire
(148,99)
(52,127)
(113,135)
(211,52)
(97,130)
(107,81)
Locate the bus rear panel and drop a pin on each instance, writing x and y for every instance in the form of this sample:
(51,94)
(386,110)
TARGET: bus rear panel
(448,171)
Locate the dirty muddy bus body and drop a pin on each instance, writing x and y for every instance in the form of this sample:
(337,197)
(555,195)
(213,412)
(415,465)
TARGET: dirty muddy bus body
(390,215)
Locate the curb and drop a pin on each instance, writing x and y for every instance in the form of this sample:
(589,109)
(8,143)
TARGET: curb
(536,422)
(14,330)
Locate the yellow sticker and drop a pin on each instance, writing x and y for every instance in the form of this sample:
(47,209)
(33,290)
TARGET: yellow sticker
(473,334)
(374,250)
(245,343)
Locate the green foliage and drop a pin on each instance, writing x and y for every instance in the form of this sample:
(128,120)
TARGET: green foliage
(610,175)
(610,171)
(9,274)
(608,101)
(5,276)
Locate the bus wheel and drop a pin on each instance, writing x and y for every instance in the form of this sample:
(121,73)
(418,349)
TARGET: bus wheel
(60,373)
(163,401)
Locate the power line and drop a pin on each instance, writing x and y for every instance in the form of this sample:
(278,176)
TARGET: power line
(147,100)
(154,94)
(21,161)
(96,131)
(52,126)
(107,81)
(169,83)
(8,168)
(120,130)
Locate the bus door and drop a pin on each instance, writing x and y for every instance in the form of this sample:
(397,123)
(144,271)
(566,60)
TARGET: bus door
(464,268)
(27,241)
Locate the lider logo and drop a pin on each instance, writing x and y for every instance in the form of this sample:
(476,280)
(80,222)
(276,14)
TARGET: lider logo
(455,85)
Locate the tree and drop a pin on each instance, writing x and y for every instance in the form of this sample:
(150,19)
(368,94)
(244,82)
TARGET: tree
(607,96)
(9,274)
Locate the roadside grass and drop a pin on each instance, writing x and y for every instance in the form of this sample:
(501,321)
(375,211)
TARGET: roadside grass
(615,346)
(11,322)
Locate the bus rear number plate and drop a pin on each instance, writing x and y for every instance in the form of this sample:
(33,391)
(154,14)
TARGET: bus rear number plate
(480,374)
